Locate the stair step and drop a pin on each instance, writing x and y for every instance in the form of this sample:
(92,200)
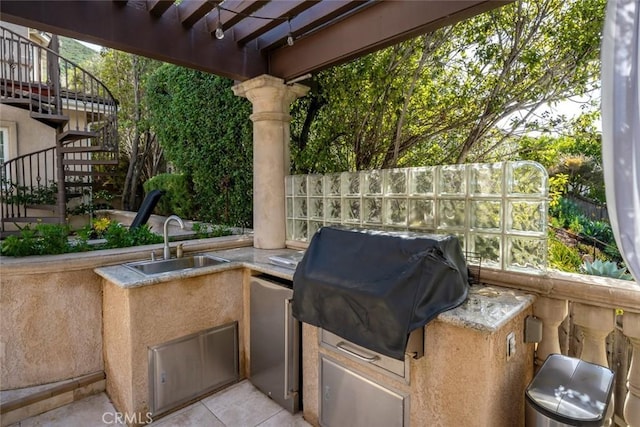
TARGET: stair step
(28,103)
(87,173)
(78,184)
(17,102)
(51,208)
(34,219)
(6,233)
(53,120)
(74,135)
(89,149)
(89,162)
(74,195)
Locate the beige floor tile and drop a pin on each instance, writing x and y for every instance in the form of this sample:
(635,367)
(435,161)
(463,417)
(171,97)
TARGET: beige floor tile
(95,410)
(241,406)
(193,415)
(285,419)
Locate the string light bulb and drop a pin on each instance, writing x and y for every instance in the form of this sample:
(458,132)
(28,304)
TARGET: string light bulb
(289,36)
(219,32)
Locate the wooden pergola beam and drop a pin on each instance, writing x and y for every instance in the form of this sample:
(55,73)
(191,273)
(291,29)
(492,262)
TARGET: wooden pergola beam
(158,7)
(250,29)
(192,11)
(381,25)
(135,30)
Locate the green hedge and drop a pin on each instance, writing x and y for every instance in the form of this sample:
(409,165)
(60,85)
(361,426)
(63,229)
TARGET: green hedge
(177,199)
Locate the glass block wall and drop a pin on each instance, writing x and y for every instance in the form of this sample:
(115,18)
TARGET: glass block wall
(498,210)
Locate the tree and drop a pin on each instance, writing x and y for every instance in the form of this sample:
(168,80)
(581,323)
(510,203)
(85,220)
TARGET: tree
(125,75)
(455,95)
(207,135)
(576,153)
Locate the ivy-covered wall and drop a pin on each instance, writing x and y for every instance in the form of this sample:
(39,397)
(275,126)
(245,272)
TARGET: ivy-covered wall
(206,134)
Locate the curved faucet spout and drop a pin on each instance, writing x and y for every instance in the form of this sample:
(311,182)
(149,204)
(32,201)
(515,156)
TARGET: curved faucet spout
(176,218)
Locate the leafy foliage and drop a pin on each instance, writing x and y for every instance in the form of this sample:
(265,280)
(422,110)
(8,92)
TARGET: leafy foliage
(42,239)
(52,239)
(207,230)
(76,52)
(119,236)
(205,132)
(557,187)
(461,93)
(178,197)
(40,195)
(605,269)
(141,156)
(561,256)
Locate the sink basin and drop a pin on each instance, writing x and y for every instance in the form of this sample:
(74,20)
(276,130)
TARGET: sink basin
(174,264)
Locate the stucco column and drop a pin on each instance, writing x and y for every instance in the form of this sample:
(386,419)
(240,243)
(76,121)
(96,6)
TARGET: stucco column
(271,99)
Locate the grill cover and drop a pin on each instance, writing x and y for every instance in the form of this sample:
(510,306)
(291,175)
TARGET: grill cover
(373,287)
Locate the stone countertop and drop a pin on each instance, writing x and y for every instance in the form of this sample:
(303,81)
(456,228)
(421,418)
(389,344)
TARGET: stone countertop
(246,257)
(487,308)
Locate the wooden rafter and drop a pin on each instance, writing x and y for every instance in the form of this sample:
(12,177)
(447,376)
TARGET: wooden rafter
(158,7)
(192,11)
(250,29)
(234,12)
(326,32)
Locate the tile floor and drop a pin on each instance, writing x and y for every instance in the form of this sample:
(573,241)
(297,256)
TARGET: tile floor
(240,405)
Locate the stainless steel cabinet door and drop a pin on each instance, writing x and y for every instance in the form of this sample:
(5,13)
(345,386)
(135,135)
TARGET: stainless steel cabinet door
(349,399)
(274,343)
(184,368)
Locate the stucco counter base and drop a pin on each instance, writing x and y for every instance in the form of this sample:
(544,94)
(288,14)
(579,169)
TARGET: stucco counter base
(140,317)
(464,378)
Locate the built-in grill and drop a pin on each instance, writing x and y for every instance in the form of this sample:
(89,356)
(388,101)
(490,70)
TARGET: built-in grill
(374,287)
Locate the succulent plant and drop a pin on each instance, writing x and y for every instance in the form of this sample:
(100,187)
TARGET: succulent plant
(605,269)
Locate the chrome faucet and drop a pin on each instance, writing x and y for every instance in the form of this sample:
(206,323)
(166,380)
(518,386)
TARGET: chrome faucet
(167,249)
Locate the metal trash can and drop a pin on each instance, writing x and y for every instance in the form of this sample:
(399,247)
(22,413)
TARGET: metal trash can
(568,392)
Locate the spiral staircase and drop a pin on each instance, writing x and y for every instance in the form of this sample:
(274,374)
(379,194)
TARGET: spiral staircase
(81,112)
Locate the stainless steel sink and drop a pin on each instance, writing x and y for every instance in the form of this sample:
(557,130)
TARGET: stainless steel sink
(149,268)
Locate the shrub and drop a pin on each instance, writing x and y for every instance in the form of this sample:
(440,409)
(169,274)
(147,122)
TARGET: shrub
(52,239)
(118,236)
(205,133)
(205,230)
(605,269)
(43,239)
(177,198)
(562,257)
(566,211)
(598,230)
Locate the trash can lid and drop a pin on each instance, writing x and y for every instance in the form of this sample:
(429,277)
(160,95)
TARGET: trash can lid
(570,389)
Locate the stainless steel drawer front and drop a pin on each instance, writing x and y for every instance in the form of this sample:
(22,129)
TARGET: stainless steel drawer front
(361,354)
(349,399)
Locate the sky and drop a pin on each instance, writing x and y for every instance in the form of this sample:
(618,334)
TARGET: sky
(91,45)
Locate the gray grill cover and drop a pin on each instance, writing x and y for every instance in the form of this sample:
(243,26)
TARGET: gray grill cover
(373,288)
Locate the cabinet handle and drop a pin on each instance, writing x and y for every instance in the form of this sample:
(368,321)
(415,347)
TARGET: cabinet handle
(287,313)
(343,347)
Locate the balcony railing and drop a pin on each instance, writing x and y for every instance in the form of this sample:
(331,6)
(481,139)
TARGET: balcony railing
(594,318)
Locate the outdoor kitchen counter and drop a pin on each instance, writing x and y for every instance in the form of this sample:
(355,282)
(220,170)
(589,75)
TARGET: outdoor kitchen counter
(486,307)
(464,378)
(246,257)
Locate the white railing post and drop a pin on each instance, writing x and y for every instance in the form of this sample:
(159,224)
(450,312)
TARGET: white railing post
(631,329)
(595,323)
(552,312)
